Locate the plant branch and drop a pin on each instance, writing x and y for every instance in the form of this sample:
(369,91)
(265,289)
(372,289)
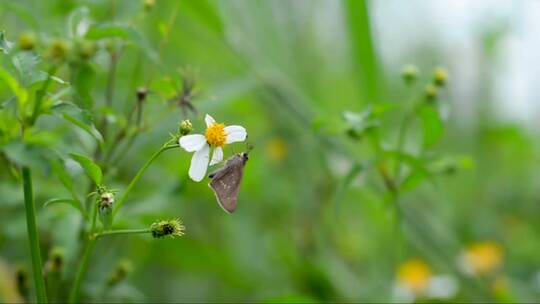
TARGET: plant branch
(140,173)
(117,232)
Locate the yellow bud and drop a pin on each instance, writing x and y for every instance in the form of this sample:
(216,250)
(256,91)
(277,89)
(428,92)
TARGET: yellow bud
(27,41)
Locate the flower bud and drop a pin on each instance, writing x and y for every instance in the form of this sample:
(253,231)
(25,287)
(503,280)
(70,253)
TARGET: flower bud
(23,286)
(172,228)
(119,273)
(58,49)
(86,49)
(105,208)
(440,76)
(409,73)
(185,127)
(431,92)
(141,93)
(56,260)
(27,41)
(149,4)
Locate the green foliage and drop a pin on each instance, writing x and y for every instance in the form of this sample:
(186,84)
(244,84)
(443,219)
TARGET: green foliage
(359,166)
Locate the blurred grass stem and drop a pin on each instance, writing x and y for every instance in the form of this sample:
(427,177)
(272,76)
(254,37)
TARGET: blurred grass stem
(33,237)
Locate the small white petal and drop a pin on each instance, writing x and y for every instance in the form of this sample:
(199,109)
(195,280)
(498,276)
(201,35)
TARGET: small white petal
(442,287)
(199,163)
(235,134)
(192,143)
(209,120)
(217,157)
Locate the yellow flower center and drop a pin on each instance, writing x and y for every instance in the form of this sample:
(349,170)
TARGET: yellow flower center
(215,135)
(415,275)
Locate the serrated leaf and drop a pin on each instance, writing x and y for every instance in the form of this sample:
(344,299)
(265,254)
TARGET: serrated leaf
(71,202)
(77,116)
(90,168)
(432,126)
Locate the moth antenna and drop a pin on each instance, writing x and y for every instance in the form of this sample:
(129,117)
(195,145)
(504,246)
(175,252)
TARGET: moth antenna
(249,147)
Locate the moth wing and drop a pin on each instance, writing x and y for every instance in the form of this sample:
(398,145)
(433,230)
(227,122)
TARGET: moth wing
(226,185)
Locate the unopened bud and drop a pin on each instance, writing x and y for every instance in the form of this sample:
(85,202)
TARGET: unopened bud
(86,49)
(105,208)
(27,41)
(119,273)
(58,49)
(431,92)
(409,73)
(169,228)
(185,127)
(440,76)
(149,4)
(141,93)
(23,286)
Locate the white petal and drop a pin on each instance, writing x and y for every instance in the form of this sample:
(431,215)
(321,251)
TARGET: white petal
(235,133)
(217,157)
(209,120)
(199,163)
(192,143)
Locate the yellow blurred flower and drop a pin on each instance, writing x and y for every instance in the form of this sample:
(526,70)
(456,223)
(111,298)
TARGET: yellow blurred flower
(276,149)
(414,275)
(482,257)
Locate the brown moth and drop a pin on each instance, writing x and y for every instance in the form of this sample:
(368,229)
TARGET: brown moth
(226,181)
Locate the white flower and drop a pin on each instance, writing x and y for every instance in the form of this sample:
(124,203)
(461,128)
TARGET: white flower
(216,136)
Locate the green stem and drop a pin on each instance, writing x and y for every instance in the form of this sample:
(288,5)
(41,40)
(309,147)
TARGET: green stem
(33,237)
(125,231)
(139,174)
(74,295)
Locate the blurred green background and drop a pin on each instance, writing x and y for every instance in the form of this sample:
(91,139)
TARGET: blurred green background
(303,231)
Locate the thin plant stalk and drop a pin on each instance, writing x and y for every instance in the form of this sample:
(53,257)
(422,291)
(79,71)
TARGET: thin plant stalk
(139,174)
(122,232)
(33,237)
(91,242)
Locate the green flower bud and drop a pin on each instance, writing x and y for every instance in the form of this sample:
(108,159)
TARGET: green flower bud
(410,73)
(86,49)
(149,4)
(119,273)
(27,41)
(172,228)
(440,76)
(56,259)
(105,208)
(185,127)
(58,49)
(431,92)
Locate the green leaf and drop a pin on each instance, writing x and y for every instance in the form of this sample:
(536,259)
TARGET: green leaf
(78,22)
(24,154)
(60,170)
(82,84)
(342,188)
(16,88)
(77,116)
(432,125)
(92,169)
(71,202)
(5,45)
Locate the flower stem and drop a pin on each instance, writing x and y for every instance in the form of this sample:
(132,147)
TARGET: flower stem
(125,231)
(33,237)
(139,174)
(89,247)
